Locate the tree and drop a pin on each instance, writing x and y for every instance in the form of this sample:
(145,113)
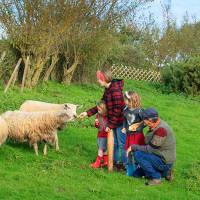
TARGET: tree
(76,31)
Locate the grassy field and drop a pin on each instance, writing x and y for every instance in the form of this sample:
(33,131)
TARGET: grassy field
(66,174)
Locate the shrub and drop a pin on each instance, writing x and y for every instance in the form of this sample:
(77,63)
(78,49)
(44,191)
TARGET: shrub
(183,76)
(10,60)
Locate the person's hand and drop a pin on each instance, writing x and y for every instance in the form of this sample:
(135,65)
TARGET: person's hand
(124,130)
(82,115)
(108,129)
(128,151)
(134,127)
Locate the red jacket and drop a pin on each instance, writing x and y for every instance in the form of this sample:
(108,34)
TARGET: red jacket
(101,125)
(113,97)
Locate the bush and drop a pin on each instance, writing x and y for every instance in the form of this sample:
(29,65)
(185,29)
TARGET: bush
(10,60)
(183,76)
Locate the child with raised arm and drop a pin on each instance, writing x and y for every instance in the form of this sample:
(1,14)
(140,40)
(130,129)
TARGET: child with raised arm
(101,124)
(113,97)
(132,126)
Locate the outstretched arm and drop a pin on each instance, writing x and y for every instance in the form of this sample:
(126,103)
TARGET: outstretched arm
(88,113)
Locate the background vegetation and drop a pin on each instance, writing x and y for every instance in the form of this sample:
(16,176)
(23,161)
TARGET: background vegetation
(67,41)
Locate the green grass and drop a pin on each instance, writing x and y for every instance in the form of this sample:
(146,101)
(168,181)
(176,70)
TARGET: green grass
(66,174)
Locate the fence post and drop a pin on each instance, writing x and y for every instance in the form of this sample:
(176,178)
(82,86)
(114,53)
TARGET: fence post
(25,73)
(13,74)
(110,147)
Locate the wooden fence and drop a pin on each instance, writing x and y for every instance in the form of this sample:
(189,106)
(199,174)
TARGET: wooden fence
(135,73)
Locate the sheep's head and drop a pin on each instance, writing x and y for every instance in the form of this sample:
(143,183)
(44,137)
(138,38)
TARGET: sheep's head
(71,111)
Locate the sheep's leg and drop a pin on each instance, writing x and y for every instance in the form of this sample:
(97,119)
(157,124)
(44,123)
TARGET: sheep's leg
(56,142)
(45,149)
(35,146)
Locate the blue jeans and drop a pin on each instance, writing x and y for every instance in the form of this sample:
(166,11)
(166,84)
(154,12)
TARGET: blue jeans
(130,169)
(119,145)
(130,165)
(151,165)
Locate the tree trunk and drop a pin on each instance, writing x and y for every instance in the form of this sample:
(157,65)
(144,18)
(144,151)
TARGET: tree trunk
(53,75)
(51,67)
(68,73)
(37,72)
(30,72)
(25,73)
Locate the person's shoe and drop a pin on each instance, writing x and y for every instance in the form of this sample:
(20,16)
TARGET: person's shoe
(170,175)
(97,163)
(154,182)
(120,167)
(123,167)
(105,160)
(117,166)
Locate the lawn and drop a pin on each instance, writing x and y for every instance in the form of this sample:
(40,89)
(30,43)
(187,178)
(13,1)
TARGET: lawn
(66,174)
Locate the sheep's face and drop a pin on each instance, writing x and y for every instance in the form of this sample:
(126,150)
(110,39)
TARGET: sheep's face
(71,111)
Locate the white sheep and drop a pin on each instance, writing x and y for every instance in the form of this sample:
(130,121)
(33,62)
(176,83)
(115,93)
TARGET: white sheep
(34,127)
(34,106)
(3,131)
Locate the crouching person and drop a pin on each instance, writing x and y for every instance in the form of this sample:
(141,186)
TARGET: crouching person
(155,159)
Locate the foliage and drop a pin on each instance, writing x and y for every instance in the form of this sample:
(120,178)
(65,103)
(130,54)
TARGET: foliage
(183,76)
(80,33)
(8,63)
(69,40)
(128,51)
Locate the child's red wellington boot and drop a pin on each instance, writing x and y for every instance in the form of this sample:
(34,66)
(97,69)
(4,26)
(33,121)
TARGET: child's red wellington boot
(97,163)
